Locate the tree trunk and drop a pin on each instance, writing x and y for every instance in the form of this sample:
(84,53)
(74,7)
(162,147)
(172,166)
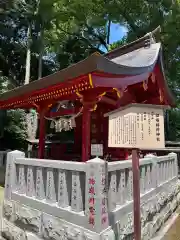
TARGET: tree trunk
(28,56)
(41,41)
(108,32)
(31,119)
(26,81)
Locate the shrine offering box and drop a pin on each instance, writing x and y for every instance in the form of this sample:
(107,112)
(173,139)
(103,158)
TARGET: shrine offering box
(137,126)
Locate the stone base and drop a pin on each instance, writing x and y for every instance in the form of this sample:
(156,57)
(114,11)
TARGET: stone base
(21,222)
(154,213)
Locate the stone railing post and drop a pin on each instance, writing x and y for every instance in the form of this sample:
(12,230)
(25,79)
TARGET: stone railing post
(175,164)
(96,202)
(10,179)
(154,170)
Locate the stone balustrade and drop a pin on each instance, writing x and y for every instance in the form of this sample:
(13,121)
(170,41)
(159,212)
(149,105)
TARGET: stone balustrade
(48,199)
(154,171)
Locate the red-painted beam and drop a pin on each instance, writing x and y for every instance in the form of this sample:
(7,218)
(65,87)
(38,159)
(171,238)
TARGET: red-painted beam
(109,101)
(62,112)
(66,112)
(86,133)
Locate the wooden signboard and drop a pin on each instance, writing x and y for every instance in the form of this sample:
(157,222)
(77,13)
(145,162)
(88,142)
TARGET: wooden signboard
(137,126)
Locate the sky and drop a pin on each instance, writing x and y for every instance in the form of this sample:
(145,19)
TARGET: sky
(117,32)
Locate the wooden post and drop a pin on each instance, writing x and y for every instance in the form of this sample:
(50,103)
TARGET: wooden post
(86,132)
(42,131)
(136,194)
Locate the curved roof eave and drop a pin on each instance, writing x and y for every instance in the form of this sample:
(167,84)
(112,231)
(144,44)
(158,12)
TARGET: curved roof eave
(94,63)
(145,57)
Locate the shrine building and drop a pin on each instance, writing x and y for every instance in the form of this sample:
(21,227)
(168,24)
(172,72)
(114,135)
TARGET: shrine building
(76,98)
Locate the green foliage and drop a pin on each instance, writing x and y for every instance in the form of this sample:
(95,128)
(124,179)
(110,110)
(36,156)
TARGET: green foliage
(14,130)
(117,44)
(173,127)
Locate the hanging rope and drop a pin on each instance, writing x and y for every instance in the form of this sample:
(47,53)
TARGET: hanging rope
(70,123)
(65,124)
(145,86)
(153,78)
(90,80)
(117,92)
(161,97)
(94,108)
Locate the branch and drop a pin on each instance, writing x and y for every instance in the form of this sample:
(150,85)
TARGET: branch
(12,79)
(79,37)
(100,39)
(90,29)
(131,23)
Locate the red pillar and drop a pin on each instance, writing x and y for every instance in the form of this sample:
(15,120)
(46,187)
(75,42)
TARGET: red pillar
(136,194)
(86,133)
(42,131)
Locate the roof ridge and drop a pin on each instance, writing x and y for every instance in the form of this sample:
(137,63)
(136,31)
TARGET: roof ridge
(138,43)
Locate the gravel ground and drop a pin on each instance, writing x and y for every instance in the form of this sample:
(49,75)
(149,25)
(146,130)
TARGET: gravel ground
(174,232)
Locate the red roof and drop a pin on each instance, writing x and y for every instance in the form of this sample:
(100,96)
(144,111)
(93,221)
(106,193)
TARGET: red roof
(136,71)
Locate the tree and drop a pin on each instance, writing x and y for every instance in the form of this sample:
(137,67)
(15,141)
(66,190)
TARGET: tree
(11,123)
(64,32)
(14,26)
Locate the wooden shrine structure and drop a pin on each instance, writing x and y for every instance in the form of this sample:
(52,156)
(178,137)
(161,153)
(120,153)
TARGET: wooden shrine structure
(101,83)
(115,103)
